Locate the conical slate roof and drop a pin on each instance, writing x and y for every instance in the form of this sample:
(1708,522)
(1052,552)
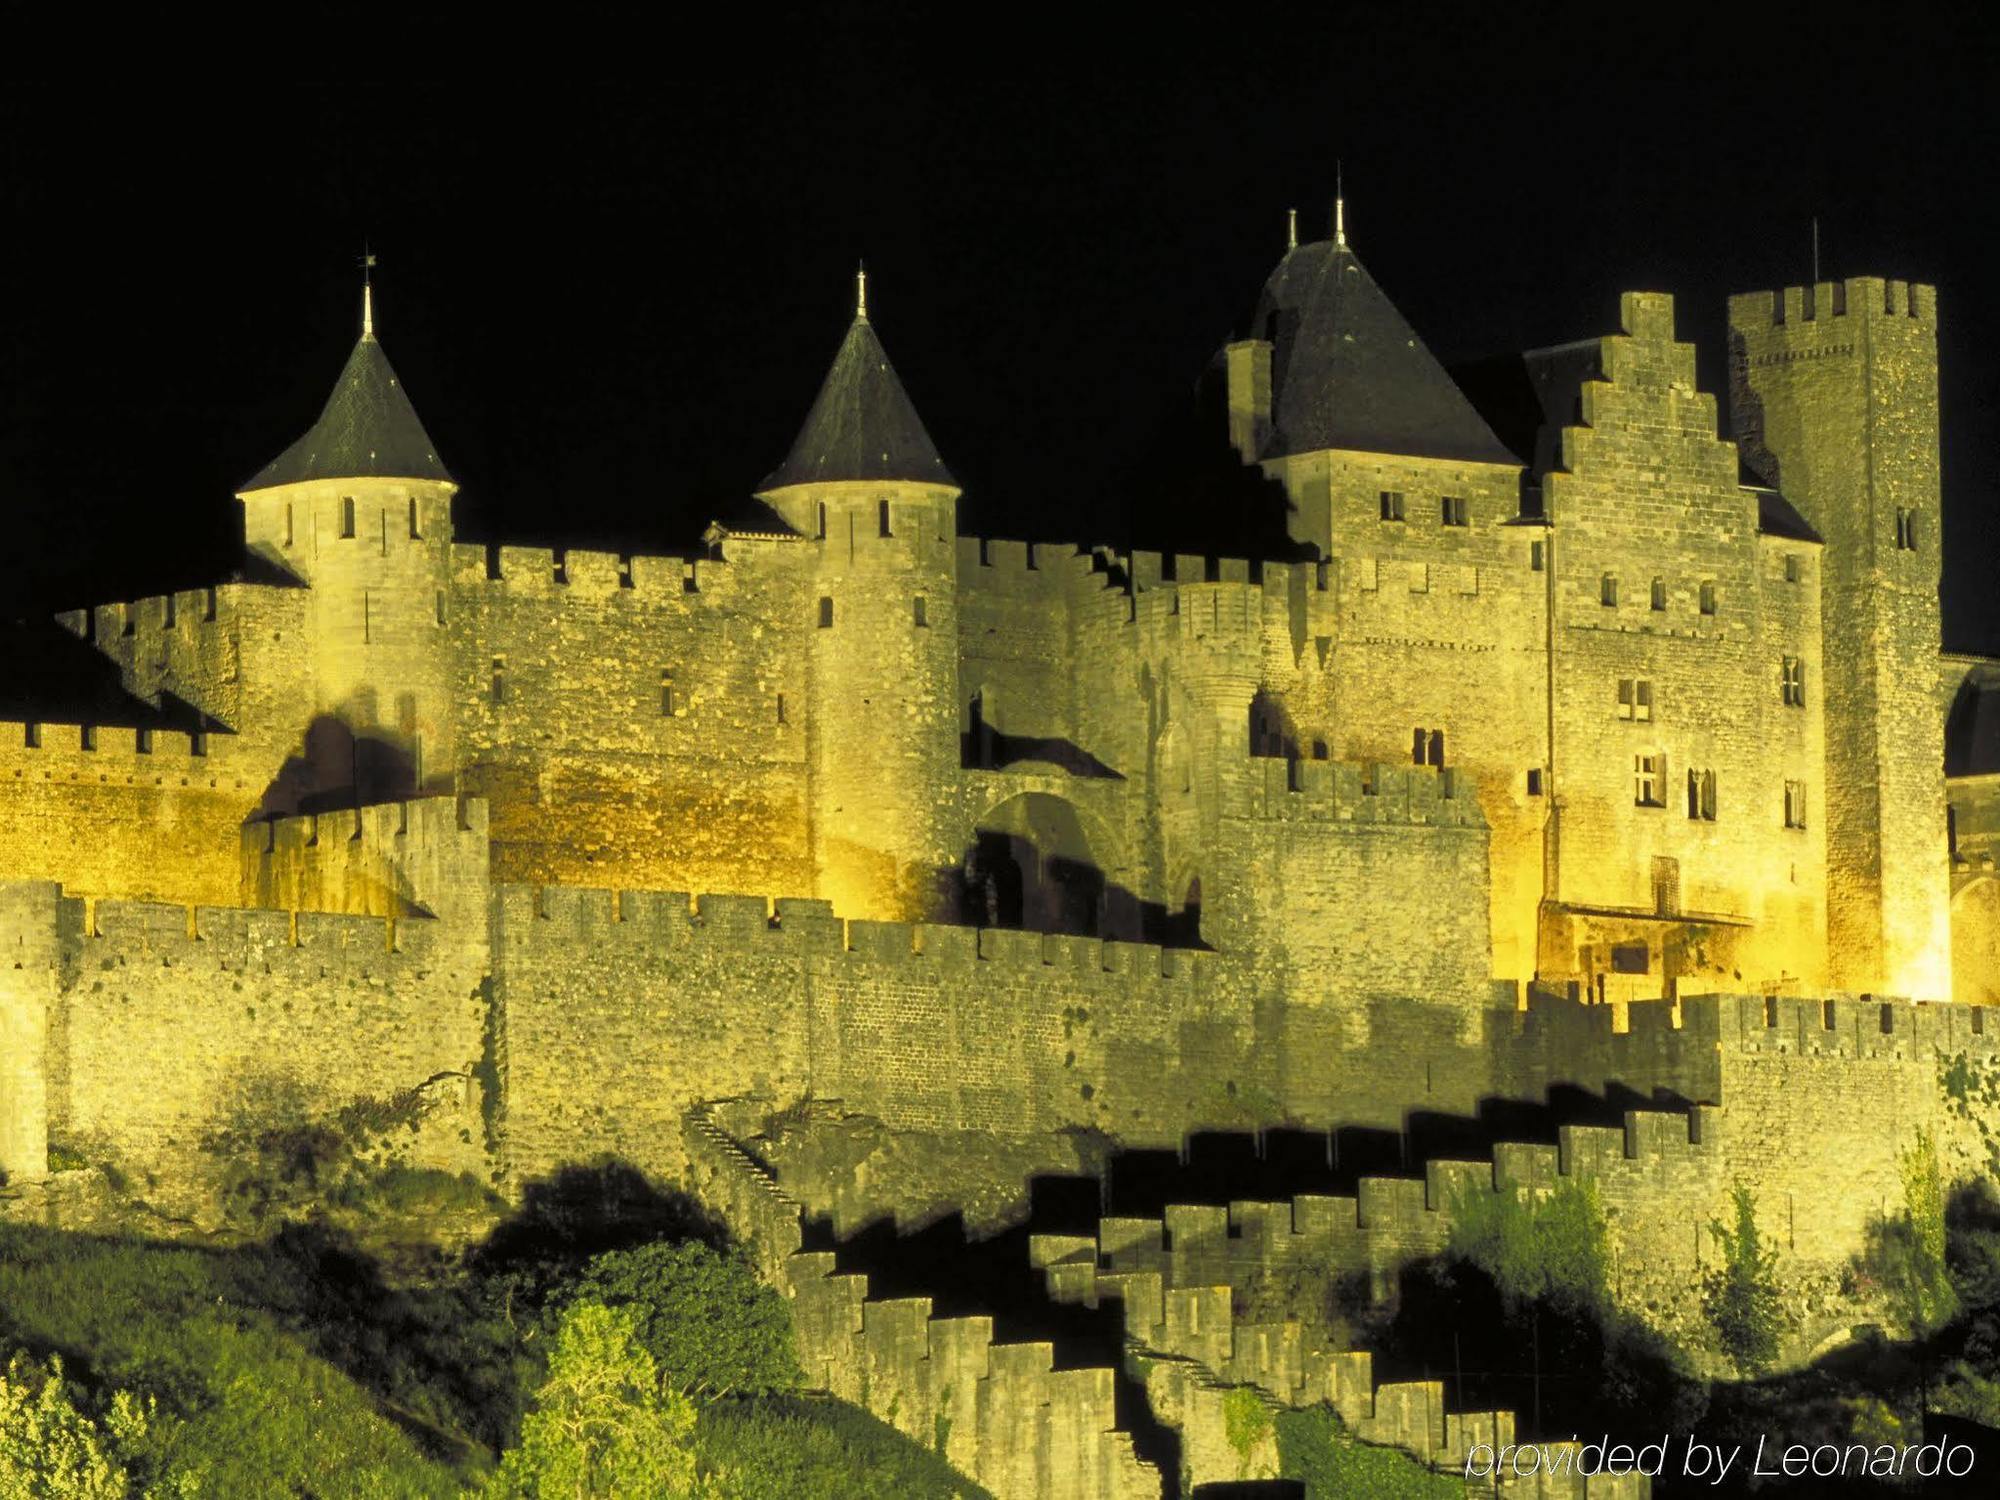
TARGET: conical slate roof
(1348,372)
(862,426)
(368,430)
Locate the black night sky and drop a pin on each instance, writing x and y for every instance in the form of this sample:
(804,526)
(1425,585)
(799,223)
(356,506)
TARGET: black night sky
(612,297)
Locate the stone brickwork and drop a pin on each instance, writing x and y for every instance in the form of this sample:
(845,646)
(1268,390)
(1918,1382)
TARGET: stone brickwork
(1834,391)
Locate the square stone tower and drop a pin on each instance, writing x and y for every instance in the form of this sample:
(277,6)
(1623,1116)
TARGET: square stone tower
(1834,396)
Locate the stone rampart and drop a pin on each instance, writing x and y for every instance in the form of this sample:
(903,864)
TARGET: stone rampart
(1001,1413)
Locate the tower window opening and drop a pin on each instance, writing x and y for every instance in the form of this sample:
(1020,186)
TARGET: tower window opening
(1792,682)
(167,612)
(670,702)
(1454,511)
(499,679)
(781,708)
(922,619)
(1607,591)
(1708,598)
(288,523)
(820,534)
(347,516)
(1701,796)
(416,532)
(1658,597)
(440,606)
(1537,559)
(198,742)
(882,517)
(1795,804)
(1649,781)
(1906,530)
(1534,781)
(1791,567)
(825,614)
(1635,699)
(1427,748)
(1392,504)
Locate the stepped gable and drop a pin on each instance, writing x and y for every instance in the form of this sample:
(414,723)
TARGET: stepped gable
(368,429)
(1348,372)
(862,425)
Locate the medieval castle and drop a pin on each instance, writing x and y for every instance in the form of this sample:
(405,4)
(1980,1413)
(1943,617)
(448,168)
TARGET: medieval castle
(1609,755)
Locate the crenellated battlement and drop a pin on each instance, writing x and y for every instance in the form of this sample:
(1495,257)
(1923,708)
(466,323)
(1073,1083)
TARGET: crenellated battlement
(537,572)
(441,819)
(1365,792)
(1873,297)
(1841,1027)
(114,933)
(191,609)
(121,754)
(805,927)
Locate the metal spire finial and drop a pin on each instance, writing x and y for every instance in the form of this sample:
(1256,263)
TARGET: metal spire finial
(367,292)
(1339,208)
(1291,229)
(861,290)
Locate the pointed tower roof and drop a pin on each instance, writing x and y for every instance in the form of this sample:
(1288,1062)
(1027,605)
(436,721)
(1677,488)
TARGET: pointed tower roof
(862,425)
(1348,372)
(368,428)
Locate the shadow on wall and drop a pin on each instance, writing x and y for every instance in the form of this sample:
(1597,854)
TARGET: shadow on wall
(984,747)
(1032,866)
(995,1277)
(336,768)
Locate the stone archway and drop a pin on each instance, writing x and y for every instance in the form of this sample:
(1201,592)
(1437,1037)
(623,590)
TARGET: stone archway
(1035,862)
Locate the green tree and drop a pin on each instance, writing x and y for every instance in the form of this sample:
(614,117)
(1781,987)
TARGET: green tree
(1914,1244)
(49,1450)
(1554,1248)
(1741,1295)
(603,1423)
(711,1326)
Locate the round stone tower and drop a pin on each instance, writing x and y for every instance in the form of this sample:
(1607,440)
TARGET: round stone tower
(879,608)
(358,511)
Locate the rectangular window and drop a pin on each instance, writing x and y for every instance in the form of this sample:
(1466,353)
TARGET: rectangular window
(825,614)
(1708,598)
(198,743)
(1906,530)
(1535,782)
(1392,505)
(1792,682)
(1535,556)
(440,606)
(1701,796)
(1607,591)
(1791,567)
(1795,804)
(1630,958)
(882,517)
(1649,780)
(288,523)
(1658,599)
(1454,511)
(347,517)
(922,617)
(781,708)
(499,679)
(670,705)
(415,531)
(1635,699)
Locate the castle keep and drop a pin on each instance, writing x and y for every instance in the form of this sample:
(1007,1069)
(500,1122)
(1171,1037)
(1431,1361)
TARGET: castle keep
(1529,742)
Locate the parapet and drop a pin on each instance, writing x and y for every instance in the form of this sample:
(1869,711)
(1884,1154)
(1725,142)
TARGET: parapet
(674,921)
(1365,792)
(542,572)
(1874,297)
(387,859)
(117,754)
